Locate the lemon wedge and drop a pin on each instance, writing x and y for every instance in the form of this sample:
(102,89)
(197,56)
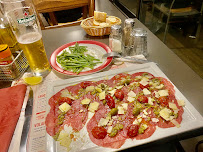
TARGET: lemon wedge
(33,80)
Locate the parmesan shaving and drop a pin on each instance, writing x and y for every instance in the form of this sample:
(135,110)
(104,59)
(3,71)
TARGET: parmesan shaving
(66,93)
(119,87)
(109,129)
(130,99)
(102,95)
(181,102)
(131,94)
(138,77)
(163,93)
(125,106)
(175,123)
(135,122)
(103,122)
(112,92)
(144,81)
(156,94)
(146,91)
(155,120)
(172,106)
(150,101)
(160,86)
(93,106)
(165,113)
(90,88)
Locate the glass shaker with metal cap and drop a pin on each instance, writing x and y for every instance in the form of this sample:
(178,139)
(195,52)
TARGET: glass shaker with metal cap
(129,24)
(115,39)
(139,36)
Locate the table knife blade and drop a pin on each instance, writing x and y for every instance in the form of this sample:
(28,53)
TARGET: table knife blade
(26,125)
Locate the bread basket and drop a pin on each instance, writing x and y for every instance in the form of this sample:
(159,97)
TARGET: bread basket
(91,29)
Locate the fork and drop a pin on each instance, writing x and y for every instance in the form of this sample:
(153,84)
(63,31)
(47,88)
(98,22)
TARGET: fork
(117,55)
(112,54)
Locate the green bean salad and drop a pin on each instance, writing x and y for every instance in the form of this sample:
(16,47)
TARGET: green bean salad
(77,59)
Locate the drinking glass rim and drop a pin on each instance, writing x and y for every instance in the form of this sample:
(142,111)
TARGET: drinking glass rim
(17,8)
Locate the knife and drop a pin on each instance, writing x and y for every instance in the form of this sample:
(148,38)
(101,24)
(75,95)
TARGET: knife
(26,126)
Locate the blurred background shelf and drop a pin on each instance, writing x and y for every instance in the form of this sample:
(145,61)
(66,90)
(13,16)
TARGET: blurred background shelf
(183,36)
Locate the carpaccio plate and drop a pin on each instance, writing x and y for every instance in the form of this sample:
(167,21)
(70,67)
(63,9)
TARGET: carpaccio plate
(191,117)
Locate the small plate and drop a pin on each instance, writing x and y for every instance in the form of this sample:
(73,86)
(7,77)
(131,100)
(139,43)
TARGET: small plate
(97,49)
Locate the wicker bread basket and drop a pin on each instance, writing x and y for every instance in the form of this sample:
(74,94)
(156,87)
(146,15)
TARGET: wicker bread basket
(93,30)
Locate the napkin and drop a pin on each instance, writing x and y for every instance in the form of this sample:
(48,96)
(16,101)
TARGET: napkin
(11,101)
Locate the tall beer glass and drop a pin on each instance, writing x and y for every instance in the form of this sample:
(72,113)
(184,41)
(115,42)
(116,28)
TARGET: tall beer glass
(24,23)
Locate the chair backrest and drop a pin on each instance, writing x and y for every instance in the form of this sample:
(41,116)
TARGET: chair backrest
(51,6)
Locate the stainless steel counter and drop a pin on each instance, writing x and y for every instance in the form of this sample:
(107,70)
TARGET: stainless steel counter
(183,77)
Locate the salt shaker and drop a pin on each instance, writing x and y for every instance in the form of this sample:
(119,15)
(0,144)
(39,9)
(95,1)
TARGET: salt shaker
(139,36)
(127,40)
(115,39)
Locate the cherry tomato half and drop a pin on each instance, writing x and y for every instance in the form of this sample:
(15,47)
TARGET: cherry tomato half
(110,101)
(142,86)
(85,84)
(163,101)
(61,100)
(142,99)
(119,94)
(99,132)
(132,130)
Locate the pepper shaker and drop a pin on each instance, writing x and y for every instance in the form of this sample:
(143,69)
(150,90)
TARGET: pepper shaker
(115,39)
(139,36)
(129,25)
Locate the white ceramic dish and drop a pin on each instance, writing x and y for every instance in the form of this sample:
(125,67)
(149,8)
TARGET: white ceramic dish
(95,48)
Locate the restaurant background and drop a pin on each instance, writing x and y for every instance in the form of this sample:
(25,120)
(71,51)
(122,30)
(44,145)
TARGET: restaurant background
(180,41)
(181,38)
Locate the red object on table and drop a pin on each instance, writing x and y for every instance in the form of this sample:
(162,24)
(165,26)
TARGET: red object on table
(11,101)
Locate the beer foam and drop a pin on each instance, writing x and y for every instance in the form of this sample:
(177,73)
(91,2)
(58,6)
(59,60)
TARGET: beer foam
(29,38)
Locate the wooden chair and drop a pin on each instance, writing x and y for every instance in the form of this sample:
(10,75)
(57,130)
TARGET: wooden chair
(179,13)
(51,6)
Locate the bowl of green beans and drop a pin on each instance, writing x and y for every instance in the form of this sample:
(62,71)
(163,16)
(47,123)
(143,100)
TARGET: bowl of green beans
(80,58)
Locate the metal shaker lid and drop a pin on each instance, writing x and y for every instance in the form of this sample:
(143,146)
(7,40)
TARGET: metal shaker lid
(116,29)
(130,23)
(139,32)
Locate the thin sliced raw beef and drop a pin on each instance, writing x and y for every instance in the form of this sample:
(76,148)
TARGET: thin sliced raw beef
(145,104)
(115,142)
(141,74)
(52,117)
(147,133)
(167,124)
(77,116)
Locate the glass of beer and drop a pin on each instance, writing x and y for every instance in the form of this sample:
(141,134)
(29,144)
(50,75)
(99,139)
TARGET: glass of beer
(25,26)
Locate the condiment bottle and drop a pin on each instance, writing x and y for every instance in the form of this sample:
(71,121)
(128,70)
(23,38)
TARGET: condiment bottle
(7,36)
(129,25)
(139,36)
(115,38)
(6,56)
